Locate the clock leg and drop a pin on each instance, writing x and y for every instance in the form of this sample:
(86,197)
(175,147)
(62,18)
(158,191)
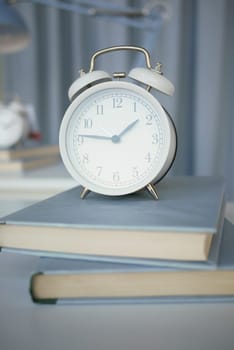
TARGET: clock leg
(84,192)
(152,190)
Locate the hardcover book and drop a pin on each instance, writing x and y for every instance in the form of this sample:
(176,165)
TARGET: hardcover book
(70,280)
(27,157)
(29,151)
(182,225)
(17,166)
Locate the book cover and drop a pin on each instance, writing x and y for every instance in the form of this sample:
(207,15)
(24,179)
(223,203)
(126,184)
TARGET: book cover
(29,151)
(15,166)
(182,225)
(88,281)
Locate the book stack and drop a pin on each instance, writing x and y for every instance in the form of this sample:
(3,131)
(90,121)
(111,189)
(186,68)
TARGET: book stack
(131,248)
(28,157)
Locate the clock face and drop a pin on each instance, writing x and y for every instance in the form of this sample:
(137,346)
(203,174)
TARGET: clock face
(11,128)
(116,138)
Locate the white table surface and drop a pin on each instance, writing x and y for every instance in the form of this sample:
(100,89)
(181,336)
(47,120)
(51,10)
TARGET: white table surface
(25,325)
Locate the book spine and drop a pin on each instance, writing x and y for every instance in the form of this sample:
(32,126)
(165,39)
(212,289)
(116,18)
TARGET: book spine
(32,294)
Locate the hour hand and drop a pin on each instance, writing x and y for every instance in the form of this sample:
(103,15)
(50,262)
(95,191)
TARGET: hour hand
(128,127)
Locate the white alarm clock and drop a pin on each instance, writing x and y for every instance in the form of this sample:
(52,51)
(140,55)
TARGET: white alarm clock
(13,125)
(115,137)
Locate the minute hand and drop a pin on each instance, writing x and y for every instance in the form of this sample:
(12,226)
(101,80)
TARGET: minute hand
(101,137)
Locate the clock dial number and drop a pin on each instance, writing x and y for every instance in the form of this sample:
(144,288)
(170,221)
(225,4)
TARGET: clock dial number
(134,106)
(149,119)
(117,102)
(155,139)
(100,109)
(85,158)
(88,123)
(99,170)
(116,176)
(148,157)
(80,140)
(135,171)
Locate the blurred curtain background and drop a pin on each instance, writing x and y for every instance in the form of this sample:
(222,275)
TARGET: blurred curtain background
(195,46)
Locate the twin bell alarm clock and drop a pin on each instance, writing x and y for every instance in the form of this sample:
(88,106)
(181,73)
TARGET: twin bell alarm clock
(13,124)
(115,137)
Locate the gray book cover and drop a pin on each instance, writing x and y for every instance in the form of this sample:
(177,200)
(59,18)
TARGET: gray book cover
(186,204)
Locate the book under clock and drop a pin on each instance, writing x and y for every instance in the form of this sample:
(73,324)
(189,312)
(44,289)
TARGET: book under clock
(185,224)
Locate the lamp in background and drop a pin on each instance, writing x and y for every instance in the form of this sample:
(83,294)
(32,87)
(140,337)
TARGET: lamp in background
(14,34)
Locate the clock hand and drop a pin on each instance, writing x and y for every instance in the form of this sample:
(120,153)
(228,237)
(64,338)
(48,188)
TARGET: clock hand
(117,138)
(130,126)
(101,137)
(114,138)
